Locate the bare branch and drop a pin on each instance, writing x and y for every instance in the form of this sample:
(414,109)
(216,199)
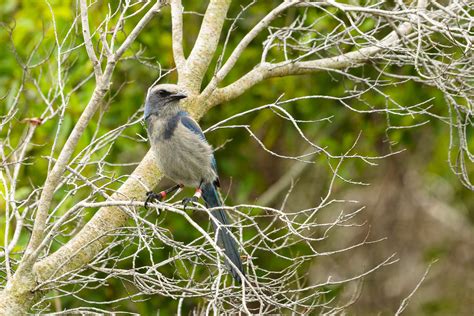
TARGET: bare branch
(177,33)
(137,29)
(88,42)
(405,301)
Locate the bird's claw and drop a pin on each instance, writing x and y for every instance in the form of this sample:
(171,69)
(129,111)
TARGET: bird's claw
(152,196)
(189,200)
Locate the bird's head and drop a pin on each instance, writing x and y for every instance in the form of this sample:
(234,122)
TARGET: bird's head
(163,98)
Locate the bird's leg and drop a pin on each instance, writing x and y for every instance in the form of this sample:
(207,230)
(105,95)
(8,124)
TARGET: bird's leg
(152,196)
(191,200)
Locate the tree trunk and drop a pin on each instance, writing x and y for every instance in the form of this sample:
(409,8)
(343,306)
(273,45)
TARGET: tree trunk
(18,296)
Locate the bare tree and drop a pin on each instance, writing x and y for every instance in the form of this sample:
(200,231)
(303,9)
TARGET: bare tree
(434,38)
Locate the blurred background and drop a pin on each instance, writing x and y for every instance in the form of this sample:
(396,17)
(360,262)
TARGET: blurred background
(411,202)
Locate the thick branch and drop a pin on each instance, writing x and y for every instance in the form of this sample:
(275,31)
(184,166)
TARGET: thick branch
(93,237)
(288,68)
(245,42)
(205,46)
(177,31)
(54,176)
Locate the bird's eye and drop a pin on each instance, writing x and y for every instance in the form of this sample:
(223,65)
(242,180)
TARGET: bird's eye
(163,93)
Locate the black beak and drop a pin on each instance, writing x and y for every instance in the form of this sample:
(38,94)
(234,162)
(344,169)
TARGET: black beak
(178,96)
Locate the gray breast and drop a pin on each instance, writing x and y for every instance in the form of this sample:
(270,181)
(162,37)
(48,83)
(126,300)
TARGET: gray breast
(181,155)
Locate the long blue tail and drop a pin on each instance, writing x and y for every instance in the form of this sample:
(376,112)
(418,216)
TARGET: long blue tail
(212,199)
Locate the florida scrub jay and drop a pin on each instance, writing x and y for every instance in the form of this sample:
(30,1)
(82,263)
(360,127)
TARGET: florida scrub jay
(184,155)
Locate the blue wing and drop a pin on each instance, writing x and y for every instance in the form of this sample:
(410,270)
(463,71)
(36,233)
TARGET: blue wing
(191,125)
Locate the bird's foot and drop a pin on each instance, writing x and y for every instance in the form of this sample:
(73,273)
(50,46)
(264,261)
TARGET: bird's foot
(189,200)
(152,196)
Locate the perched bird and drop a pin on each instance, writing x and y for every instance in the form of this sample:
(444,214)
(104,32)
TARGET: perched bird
(184,155)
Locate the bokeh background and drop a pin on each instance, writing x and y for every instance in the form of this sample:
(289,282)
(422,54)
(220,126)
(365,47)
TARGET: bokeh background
(412,200)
